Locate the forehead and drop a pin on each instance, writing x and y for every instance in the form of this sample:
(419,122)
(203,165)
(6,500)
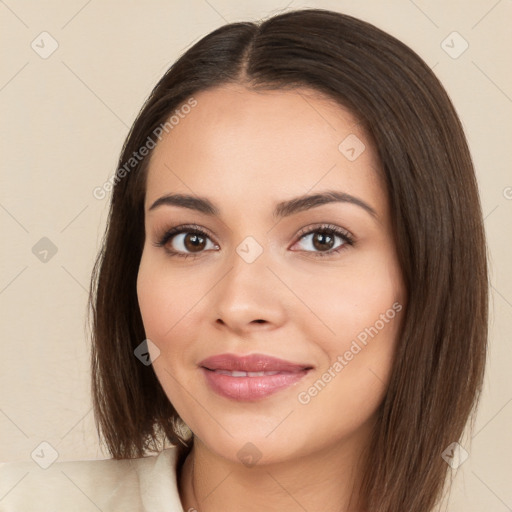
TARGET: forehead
(240,143)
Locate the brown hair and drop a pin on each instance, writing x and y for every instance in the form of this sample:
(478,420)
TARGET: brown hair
(438,369)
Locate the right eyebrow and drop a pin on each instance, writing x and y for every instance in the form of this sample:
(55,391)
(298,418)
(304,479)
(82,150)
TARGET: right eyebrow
(200,204)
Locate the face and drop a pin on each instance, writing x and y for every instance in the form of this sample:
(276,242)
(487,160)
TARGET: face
(273,319)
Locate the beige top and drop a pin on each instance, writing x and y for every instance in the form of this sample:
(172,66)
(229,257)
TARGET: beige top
(145,484)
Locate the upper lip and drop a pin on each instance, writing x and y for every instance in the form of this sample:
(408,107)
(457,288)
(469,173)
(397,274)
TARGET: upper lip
(251,363)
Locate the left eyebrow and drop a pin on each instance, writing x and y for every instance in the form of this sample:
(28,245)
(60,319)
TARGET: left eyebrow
(299,204)
(282,209)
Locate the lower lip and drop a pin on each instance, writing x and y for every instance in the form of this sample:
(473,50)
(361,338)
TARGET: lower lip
(251,388)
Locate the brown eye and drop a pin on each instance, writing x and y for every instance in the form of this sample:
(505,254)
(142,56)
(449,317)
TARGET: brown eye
(194,242)
(325,240)
(186,241)
(189,242)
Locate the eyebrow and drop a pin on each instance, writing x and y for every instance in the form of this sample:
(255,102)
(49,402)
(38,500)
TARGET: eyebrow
(282,209)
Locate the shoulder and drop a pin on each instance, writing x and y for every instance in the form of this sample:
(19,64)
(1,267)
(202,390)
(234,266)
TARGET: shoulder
(144,484)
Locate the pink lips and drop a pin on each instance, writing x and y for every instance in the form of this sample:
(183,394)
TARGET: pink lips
(252,377)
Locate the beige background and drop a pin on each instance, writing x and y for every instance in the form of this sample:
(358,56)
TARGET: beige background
(64,119)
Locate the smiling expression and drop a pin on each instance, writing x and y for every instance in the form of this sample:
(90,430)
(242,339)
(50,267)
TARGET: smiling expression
(268,252)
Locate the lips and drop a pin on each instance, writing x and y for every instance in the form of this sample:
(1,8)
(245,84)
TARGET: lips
(250,377)
(251,363)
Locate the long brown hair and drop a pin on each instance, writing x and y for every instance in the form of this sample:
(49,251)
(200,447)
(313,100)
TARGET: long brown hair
(440,357)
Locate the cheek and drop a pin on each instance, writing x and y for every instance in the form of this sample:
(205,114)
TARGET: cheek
(348,388)
(357,303)
(363,310)
(166,298)
(166,315)
(152,304)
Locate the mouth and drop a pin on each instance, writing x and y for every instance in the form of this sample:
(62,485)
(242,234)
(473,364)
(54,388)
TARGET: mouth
(243,374)
(251,378)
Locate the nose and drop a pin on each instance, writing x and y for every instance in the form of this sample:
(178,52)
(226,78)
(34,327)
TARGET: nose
(249,297)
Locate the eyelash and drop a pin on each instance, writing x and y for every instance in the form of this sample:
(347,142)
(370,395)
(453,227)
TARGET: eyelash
(328,229)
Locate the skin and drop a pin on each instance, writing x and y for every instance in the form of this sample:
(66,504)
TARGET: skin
(247,151)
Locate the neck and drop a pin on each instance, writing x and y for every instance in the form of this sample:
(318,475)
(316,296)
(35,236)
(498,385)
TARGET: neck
(324,480)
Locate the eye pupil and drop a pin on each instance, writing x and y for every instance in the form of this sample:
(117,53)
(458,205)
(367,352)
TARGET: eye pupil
(194,242)
(323,241)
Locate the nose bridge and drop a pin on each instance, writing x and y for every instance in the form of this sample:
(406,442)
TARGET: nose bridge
(248,291)
(249,274)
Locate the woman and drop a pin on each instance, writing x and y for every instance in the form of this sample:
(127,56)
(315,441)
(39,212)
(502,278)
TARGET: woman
(283,292)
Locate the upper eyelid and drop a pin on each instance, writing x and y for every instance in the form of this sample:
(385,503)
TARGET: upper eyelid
(338,230)
(170,233)
(190,228)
